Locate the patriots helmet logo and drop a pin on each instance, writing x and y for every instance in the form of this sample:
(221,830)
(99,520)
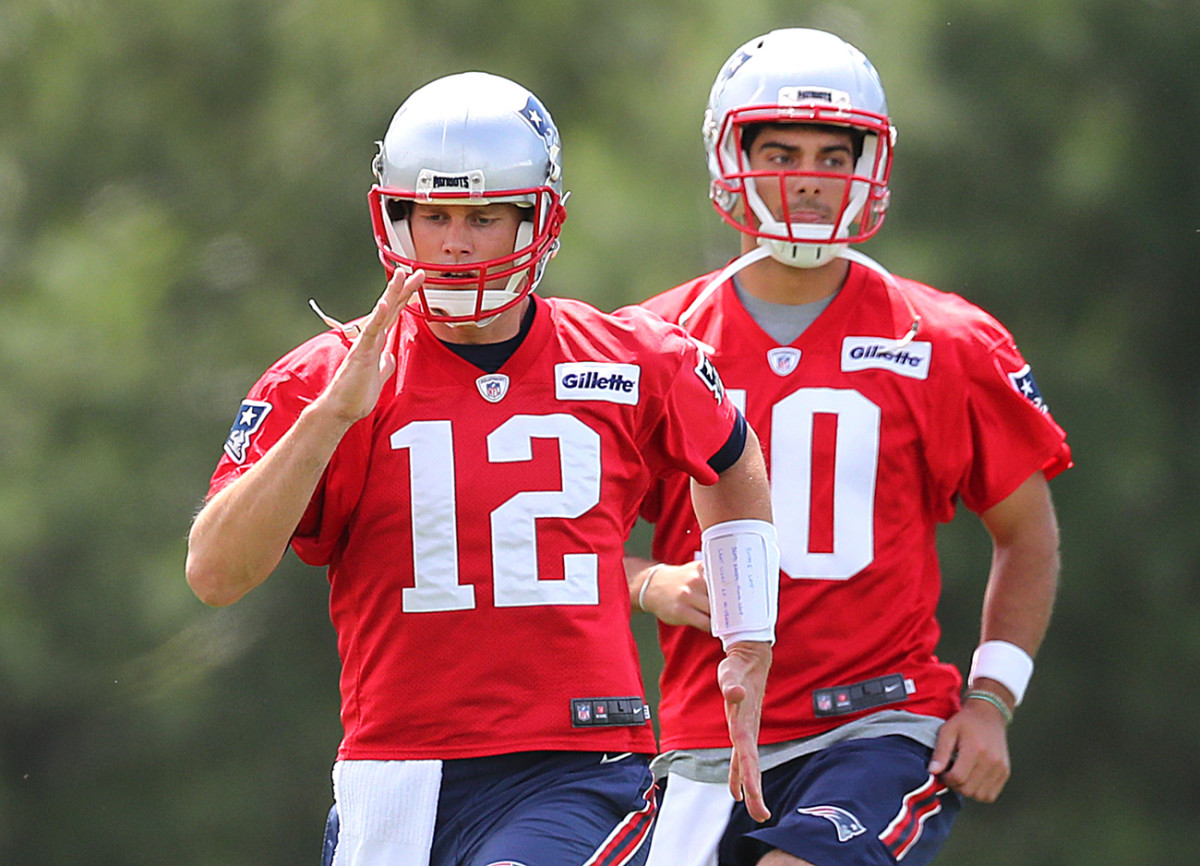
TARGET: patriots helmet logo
(248,421)
(1023,381)
(847,823)
(537,117)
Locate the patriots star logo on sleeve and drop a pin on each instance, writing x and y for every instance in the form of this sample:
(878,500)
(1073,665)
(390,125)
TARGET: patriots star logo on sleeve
(1023,381)
(708,374)
(248,421)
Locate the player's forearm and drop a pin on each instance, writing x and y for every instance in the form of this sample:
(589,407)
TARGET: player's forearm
(1020,595)
(637,570)
(240,535)
(1025,564)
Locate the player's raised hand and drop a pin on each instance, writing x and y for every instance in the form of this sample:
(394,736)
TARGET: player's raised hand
(742,676)
(678,595)
(359,380)
(971,754)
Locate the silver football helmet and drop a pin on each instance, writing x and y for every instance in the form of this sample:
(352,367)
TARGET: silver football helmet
(471,138)
(798,76)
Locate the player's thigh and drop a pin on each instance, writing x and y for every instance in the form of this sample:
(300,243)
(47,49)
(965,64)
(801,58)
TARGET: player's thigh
(864,802)
(561,809)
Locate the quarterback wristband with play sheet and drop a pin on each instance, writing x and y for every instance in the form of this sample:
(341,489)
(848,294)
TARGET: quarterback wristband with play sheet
(741,569)
(1004,662)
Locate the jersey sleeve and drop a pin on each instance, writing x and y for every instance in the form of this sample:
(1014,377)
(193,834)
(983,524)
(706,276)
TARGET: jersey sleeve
(1013,434)
(697,417)
(269,410)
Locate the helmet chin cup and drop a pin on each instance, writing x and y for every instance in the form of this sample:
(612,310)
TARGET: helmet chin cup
(801,255)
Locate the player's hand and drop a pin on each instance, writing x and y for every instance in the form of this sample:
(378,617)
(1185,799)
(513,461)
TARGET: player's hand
(359,380)
(677,595)
(971,754)
(742,676)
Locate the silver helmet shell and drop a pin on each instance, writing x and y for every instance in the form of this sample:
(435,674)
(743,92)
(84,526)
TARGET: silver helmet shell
(798,75)
(472,138)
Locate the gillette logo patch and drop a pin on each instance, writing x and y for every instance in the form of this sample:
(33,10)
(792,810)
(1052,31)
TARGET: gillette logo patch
(591,380)
(878,353)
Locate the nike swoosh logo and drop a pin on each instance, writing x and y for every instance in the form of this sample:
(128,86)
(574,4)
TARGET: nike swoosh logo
(612,759)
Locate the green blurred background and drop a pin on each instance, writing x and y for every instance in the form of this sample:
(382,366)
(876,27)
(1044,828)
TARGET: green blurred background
(178,177)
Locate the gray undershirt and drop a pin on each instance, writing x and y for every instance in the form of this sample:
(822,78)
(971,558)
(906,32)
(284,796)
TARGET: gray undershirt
(712,765)
(783,322)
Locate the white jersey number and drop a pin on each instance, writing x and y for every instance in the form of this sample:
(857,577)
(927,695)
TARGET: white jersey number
(855,465)
(434,514)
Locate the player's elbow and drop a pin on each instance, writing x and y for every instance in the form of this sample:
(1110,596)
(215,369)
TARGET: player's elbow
(212,584)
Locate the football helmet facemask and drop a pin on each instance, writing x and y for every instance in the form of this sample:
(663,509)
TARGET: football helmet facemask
(470,139)
(806,76)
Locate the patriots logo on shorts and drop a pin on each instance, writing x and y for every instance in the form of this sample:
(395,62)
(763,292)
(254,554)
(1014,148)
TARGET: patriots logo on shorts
(847,823)
(249,419)
(1022,380)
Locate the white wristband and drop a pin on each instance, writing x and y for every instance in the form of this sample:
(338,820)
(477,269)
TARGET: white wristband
(1004,662)
(741,569)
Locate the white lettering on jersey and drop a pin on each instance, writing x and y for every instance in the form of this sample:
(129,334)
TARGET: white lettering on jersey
(592,380)
(877,353)
(434,515)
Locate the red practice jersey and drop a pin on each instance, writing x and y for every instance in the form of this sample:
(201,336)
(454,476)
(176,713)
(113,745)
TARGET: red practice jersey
(869,444)
(474,524)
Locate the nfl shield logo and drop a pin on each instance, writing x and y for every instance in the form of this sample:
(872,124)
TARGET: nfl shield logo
(492,387)
(783,360)
(583,712)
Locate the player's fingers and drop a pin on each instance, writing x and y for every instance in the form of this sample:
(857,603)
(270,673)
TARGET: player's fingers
(746,785)
(387,309)
(943,750)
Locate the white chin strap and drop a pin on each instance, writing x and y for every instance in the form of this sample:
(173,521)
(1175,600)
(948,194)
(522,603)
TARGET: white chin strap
(461,302)
(761,252)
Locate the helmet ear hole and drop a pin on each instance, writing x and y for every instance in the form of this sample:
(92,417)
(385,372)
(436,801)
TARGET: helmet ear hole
(397,209)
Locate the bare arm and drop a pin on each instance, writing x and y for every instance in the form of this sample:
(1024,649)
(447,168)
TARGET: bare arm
(741,492)
(240,535)
(1017,605)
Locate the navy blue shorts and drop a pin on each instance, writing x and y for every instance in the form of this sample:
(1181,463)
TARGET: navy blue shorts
(540,809)
(865,802)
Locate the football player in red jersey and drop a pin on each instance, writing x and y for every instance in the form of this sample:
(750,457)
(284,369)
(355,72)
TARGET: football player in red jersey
(467,460)
(880,403)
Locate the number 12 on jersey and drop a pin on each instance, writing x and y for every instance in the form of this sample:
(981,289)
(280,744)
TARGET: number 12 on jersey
(434,514)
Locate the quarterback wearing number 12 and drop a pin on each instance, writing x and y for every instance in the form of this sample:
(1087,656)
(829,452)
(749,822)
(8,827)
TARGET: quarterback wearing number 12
(468,460)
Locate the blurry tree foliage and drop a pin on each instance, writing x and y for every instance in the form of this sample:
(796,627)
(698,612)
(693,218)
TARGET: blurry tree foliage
(178,178)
